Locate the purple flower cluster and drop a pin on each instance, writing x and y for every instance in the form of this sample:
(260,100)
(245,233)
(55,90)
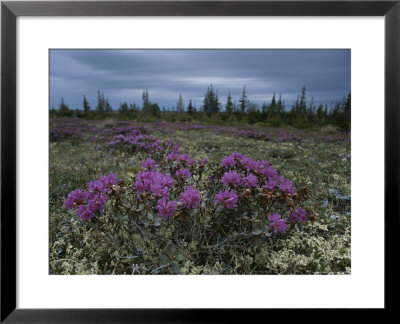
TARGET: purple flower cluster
(278,224)
(251,181)
(136,142)
(190,198)
(184,173)
(280,183)
(227,197)
(92,200)
(154,182)
(149,164)
(183,159)
(231,178)
(252,173)
(166,209)
(159,185)
(298,217)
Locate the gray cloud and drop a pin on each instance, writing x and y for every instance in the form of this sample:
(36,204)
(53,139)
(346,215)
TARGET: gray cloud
(122,75)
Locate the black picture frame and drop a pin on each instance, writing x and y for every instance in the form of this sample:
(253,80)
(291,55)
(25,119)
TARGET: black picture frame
(10,10)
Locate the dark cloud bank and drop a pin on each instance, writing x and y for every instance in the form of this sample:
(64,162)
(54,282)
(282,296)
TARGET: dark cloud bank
(122,75)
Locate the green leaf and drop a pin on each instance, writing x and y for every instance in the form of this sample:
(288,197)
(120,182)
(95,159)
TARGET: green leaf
(164,259)
(180,257)
(171,249)
(219,209)
(175,268)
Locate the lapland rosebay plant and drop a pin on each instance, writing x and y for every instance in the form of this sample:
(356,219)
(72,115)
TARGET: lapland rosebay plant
(218,208)
(90,202)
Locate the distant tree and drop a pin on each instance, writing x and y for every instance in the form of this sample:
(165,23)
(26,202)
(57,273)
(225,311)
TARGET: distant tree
(280,107)
(264,109)
(155,110)
(179,105)
(302,104)
(252,112)
(272,108)
(319,115)
(190,108)
(108,108)
(86,106)
(146,102)
(101,104)
(211,103)
(347,112)
(123,110)
(229,105)
(217,105)
(133,110)
(64,109)
(243,101)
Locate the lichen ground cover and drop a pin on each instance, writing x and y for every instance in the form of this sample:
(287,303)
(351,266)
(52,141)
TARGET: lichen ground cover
(321,161)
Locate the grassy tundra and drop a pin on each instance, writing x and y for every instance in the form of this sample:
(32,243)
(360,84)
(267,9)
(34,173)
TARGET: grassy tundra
(80,151)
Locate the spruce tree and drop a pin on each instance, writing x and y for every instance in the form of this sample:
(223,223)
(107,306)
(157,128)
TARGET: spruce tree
(190,109)
(243,101)
(100,104)
(86,107)
(229,105)
(179,105)
(64,109)
(108,108)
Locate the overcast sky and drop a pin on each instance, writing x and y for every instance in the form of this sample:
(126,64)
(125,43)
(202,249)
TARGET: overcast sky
(122,75)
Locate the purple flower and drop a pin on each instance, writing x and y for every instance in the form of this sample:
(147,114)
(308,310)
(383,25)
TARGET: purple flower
(84,213)
(277,223)
(164,180)
(299,216)
(271,172)
(228,161)
(75,198)
(103,183)
(158,190)
(166,209)
(144,180)
(251,181)
(149,164)
(270,184)
(96,202)
(237,155)
(172,156)
(96,186)
(183,173)
(248,163)
(228,198)
(287,186)
(231,178)
(261,167)
(109,180)
(190,197)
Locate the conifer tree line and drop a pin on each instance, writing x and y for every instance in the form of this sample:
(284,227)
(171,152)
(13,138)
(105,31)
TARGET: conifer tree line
(303,113)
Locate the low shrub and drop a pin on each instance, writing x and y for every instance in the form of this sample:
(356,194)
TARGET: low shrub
(181,215)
